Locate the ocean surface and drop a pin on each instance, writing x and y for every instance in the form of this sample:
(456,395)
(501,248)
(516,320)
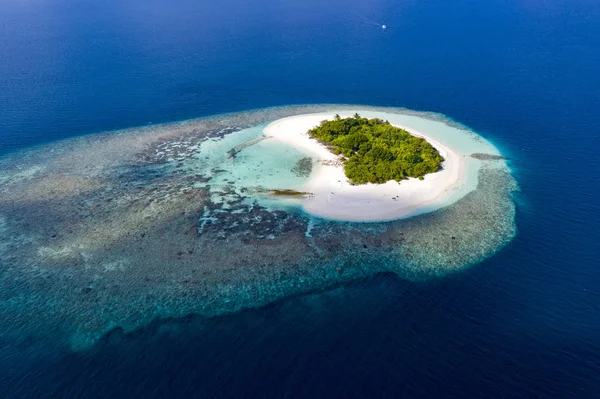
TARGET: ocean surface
(522,73)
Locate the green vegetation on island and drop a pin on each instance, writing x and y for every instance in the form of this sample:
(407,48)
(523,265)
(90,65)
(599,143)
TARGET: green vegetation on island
(374,151)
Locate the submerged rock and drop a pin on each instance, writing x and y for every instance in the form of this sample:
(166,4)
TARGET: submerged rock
(487,157)
(303,167)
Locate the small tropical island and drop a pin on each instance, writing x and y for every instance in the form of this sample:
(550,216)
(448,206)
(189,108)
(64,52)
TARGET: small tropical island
(371,166)
(374,151)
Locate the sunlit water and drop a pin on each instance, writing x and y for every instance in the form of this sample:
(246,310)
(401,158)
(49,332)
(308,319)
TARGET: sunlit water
(522,323)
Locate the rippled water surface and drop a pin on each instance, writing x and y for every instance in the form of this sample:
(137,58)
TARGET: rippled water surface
(523,323)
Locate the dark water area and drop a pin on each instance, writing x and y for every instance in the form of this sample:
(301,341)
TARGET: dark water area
(525,323)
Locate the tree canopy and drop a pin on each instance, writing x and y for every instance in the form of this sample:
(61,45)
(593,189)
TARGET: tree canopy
(374,151)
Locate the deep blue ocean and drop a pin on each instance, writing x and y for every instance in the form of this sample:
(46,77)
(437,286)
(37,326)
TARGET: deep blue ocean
(523,73)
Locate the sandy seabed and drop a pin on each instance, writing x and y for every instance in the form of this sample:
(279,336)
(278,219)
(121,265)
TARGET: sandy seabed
(120,229)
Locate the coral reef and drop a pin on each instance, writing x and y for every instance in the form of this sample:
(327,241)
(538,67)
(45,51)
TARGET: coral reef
(115,230)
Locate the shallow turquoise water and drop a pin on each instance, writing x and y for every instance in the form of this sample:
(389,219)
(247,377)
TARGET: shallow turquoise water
(523,74)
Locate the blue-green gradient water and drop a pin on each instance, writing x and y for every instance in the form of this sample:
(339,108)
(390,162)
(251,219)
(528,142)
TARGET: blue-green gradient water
(523,73)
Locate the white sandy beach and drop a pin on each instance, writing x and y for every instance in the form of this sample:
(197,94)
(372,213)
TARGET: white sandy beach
(335,198)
